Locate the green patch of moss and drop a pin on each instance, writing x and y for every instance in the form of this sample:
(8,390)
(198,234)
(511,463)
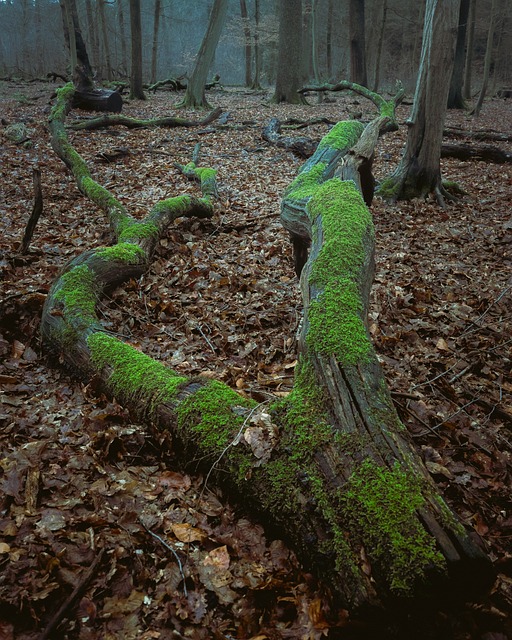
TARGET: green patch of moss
(123,252)
(454,188)
(209,413)
(336,314)
(64,97)
(177,205)
(303,415)
(98,194)
(381,507)
(388,189)
(131,230)
(77,294)
(134,374)
(343,135)
(306,183)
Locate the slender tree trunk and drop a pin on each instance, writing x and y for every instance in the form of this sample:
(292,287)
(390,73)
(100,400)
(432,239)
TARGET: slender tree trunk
(136,90)
(358,71)
(106,45)
(469,50)
(154,52)
(289,67)
(123,38)
(93,34)
(69,33)
(419,171)
(488,59)
(328,39)
(195,97)
(247,43)
(455,97)
(378,56)
(314,42)
(257,48)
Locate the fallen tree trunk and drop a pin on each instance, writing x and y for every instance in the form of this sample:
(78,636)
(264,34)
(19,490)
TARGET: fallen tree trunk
(89,97)
(331,464)
(141,123)
(300,145)
(486,152)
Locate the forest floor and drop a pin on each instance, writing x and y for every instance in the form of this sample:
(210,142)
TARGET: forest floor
(221,300)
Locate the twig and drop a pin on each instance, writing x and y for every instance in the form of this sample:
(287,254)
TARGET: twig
(168,546)
(475,322)
(36,212)
(84,580)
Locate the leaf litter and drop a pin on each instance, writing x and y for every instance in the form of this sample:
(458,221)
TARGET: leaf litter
(221,299)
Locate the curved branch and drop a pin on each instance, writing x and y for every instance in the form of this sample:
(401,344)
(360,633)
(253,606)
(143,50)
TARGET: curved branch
(137,123)
(385,107)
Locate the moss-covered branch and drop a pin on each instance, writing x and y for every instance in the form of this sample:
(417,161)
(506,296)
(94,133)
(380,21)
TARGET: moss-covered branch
(385,107)
(330,464)
(140,123)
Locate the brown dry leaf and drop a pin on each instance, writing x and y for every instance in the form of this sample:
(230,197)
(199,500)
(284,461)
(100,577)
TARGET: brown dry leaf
(185,532)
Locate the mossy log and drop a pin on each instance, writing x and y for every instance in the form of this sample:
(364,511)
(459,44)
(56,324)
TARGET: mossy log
(330,466)
(142,123)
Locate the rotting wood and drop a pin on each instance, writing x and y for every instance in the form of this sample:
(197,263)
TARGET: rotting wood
(334,469)
(300,145)
(487,153)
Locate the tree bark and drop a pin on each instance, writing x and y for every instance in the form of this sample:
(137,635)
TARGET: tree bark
(358,73)
(195,94)
(419,171)
(289,58)
(136,89)
(469,50)
(487,60)
(154,52)
(487,153)
(247,43)
(455,97)
(331,464)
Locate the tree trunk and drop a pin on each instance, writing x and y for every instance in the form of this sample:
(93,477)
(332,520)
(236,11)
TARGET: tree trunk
(378,53)
(105,41)
(247,43)
(419,171)
(122,37)
(487,60)
(455,97)
(195,97)
(257,48)
(136,89)
(358,72)
(93,33)
(289,59)
(331,464)
(469,50)
(154,52)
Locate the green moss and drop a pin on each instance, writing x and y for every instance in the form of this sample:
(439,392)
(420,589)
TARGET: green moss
(77,293)
(134,374)
(98,194)
(343,135)
(306,183)
(388,189)
(123,252)
(177,205)
(64,97)
(131,230)
(380,506)
(209,413)
(335,315)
